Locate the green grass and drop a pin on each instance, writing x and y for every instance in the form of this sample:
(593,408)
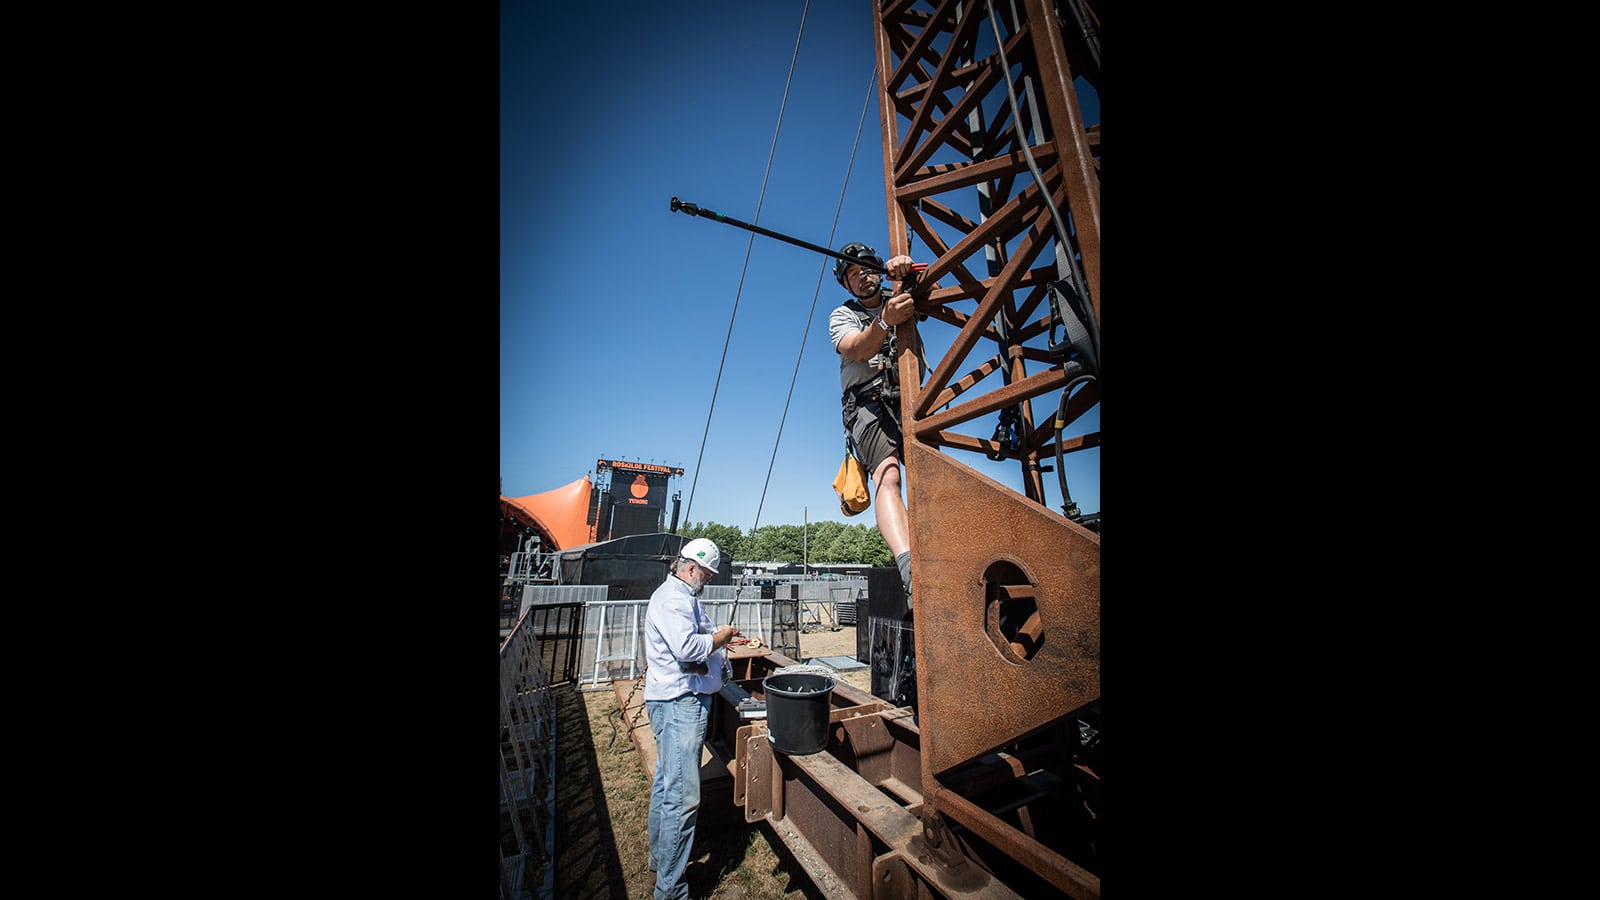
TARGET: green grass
(605,835)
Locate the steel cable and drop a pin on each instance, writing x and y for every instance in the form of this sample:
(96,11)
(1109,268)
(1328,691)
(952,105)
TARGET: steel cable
(689,506)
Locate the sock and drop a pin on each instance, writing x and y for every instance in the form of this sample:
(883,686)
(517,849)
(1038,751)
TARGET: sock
(904,562)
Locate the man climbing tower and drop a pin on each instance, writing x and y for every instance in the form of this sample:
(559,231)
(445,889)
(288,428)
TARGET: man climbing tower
(862,331)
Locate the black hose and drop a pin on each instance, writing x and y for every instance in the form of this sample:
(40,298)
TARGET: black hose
(1062,240)
(1091,38)
(1068,508)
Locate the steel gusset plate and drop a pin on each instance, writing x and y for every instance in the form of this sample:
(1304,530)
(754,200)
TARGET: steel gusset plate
(1006,615)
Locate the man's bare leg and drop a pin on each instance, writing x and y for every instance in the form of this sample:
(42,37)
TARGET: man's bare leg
(890,509)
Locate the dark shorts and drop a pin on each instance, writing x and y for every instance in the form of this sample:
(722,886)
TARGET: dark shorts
(875,435)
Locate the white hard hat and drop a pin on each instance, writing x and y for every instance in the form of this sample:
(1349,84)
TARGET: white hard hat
(702,551)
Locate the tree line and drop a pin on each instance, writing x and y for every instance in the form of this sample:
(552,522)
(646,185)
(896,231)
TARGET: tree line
(818,542)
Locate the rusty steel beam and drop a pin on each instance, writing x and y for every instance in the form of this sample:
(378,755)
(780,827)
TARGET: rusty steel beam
(852,839)
(1031,386)
(1072,879)
(1079,166)
(853,813)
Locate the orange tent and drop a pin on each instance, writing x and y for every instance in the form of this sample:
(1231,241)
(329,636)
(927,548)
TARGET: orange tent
(561,515)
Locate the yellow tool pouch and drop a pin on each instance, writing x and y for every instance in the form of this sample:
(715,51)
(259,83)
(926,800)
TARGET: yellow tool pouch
(851,485)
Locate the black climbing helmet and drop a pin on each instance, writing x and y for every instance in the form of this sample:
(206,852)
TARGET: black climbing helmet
(856,250)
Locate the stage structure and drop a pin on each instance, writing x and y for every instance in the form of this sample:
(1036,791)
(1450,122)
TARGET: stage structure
(632,499)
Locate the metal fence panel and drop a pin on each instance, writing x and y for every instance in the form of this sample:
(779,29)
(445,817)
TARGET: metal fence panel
(562,593)
(527,769)
(612,644)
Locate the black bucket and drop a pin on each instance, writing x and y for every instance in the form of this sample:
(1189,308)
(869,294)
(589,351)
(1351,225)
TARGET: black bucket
(797,711)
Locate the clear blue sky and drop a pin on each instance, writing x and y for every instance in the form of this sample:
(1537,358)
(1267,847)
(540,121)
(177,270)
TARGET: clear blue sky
(615,311)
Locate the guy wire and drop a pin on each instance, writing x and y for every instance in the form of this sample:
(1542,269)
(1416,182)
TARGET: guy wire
(762,197)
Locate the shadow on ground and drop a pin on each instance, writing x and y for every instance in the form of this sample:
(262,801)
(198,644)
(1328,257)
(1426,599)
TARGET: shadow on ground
(603,800)
(586,856)
(723,869)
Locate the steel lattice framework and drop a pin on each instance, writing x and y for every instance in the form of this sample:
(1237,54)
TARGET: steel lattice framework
(1006,590)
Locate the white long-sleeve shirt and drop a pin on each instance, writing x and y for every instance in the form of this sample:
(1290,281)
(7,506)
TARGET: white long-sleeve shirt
(677,630)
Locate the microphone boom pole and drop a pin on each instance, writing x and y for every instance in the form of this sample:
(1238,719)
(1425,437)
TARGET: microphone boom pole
(693,210)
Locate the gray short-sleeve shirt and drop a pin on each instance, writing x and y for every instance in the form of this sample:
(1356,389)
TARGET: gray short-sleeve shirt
(843,322)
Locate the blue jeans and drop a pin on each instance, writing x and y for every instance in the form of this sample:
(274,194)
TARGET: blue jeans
(679,727)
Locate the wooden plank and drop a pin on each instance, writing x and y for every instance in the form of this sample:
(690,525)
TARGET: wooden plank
(631,703)
(712,765)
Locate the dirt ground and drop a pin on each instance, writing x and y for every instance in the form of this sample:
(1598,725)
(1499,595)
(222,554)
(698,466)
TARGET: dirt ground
(836,643)
(604,796)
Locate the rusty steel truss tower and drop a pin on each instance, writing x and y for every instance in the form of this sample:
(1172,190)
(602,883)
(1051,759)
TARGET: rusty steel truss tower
(991,170)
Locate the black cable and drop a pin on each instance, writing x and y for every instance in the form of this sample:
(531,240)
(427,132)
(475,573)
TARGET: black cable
(1068,508)
(1091,38)
(1062,238)
(1022,140)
